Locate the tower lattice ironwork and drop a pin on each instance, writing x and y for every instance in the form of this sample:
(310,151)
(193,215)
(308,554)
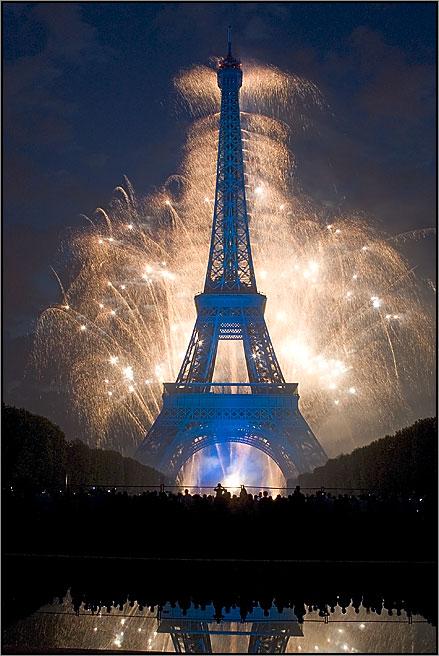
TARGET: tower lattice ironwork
(264,412)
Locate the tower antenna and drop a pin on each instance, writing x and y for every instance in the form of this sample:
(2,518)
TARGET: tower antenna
(229,41)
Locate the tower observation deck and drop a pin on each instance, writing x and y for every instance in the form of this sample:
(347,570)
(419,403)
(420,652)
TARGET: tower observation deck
(263,412)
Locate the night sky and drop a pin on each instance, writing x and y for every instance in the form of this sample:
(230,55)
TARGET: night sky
(88,98)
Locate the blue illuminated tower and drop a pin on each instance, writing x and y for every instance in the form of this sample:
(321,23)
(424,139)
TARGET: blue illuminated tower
(264,412)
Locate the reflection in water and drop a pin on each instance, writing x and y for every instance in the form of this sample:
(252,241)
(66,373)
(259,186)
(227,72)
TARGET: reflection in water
(131,627)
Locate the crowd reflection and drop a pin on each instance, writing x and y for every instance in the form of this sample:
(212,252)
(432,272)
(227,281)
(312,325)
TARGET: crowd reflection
(204,627)
(323,607)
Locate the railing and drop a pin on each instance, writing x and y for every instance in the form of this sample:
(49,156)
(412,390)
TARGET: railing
(205,489)
(230,388)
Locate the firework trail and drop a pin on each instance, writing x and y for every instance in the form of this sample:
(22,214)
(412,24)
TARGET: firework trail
(344,308)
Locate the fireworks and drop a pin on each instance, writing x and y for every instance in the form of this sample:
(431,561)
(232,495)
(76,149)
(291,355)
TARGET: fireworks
(344,310)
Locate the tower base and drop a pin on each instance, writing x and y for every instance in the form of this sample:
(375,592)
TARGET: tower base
(197,415)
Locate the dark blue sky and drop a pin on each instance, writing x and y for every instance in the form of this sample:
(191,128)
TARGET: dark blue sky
(88,97)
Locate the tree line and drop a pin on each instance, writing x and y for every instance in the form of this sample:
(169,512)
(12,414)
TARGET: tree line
(36,455)
(403,463)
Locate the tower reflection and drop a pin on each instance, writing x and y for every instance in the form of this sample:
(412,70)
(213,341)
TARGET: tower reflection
(268,631)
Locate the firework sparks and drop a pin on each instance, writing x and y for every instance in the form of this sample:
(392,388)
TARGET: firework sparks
(343,310)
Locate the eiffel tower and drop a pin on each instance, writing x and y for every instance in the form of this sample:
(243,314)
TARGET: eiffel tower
(197,412)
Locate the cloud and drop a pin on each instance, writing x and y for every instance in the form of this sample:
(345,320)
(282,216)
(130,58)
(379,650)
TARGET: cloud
(35,111)
(395,88)
(26,252)
(68,35)
(373,150)
(257,29)
(176,21)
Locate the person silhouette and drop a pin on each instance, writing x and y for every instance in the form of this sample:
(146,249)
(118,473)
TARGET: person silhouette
(219,490)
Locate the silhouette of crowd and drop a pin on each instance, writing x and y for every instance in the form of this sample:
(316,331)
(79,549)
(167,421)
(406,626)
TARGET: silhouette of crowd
(221,524)
(297,500)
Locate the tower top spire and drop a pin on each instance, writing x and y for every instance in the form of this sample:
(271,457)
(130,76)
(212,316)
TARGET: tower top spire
(229,61)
